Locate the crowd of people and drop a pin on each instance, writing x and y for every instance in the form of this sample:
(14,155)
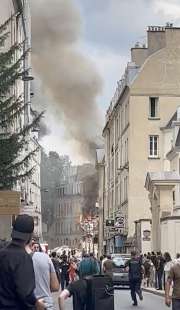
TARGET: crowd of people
(28,276)
(156,268)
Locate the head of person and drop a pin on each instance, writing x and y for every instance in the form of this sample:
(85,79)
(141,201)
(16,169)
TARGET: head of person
(153,253)
(158,253)
(178,255)
(53,254)
(72,260)
(167,257)
(91,255)
(133,254)
(64,259)
(36,247)
(108,256)
(23,228)
(101,258)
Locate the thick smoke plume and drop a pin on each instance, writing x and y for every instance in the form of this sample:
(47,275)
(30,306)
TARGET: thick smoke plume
(68,77)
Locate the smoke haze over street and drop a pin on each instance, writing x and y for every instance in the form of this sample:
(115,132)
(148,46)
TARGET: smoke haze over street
(68,78)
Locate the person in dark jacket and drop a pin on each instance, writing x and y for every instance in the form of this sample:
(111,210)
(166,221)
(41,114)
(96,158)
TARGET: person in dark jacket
(135,276)
(160,269)
(64,266)
(17,280)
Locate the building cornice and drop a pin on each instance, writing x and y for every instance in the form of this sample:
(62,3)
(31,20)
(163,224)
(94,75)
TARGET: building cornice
(170,218)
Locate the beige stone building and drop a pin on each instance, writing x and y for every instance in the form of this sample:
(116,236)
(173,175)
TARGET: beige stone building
(145,99)
(164,192)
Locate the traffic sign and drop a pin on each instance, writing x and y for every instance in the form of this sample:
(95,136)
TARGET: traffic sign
(120,222)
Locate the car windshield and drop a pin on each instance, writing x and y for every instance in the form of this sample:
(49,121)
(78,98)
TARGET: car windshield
(119,261)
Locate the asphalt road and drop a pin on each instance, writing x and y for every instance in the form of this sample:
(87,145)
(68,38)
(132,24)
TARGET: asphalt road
(123,302)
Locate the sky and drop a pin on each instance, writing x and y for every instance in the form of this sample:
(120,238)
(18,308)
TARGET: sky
(109,29)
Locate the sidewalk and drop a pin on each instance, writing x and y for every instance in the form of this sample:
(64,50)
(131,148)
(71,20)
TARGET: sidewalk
(153,291)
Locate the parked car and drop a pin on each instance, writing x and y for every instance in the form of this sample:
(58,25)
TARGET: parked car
(120,273)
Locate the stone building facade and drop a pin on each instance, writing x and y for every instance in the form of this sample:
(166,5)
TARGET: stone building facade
(20,32)
(145,99)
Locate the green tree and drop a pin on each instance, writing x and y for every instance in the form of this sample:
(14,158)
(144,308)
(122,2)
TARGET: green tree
(14,136)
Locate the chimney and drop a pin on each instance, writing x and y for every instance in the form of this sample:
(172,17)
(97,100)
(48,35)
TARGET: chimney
(139,54)
(156,38)
(178,113)
(172,36)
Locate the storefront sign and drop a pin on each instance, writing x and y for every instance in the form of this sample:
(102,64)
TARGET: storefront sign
(146,235)
(10,202)
(120,222)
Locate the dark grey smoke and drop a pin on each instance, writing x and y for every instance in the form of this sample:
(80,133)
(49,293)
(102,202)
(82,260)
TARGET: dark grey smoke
(67,76)
(43,130)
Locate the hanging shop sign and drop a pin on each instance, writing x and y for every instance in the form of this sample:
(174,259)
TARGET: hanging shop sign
(120,222)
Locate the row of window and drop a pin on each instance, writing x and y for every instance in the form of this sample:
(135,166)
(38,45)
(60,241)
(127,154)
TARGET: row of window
(67,228)
(121,194)
(64,209)
(74,188)
(66,241)
(122,118)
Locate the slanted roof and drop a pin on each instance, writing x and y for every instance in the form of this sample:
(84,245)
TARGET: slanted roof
(173,118)
(177,144)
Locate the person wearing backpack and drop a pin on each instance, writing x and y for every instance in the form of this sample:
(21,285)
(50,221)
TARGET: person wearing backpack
(135,276)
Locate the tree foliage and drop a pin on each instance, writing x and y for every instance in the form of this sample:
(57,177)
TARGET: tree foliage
(15,155)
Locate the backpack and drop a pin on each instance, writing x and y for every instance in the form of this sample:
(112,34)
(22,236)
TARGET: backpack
(135,269)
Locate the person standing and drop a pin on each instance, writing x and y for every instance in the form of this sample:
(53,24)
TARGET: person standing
(72,270)
(78,290)
(167,266)
(100,264)
(64,265)
(147,270)
(17,279)
(108,267)
(160,270)
(88,266)
(45,279)
(94,263)
(173,278)
(135,276)
(57,265)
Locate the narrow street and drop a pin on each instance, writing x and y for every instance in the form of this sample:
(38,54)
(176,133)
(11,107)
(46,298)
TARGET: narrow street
(123,302)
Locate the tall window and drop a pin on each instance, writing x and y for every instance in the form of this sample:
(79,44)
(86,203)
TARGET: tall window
(153,146)
(153,107)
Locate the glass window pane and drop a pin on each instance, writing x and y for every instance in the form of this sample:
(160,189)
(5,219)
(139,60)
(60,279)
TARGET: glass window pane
(153,107)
